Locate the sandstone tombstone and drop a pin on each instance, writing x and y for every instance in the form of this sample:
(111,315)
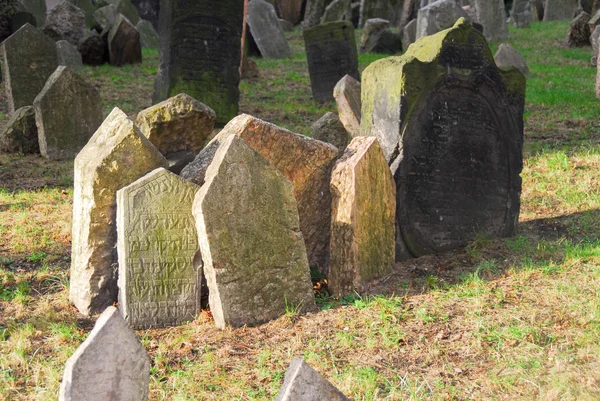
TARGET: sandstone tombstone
(66,123)
(177,124)
(200,52)
(266,30)
(520,13)
(560,9)
(29,58)
(65,22)
(148,10)
(330,129)
(93,49)
(347,98)
(337,10)
(250,240)
(110,364)
(363,215)
(159,278)
(450,124)
(437,16)
(117,155)
(492,15)
(37,8)
(20,133)
(106,16)
(594,39)
(68,55)
(124,45)
(331,54)
(579,31)
(148,35)
(303,383)
(507,56)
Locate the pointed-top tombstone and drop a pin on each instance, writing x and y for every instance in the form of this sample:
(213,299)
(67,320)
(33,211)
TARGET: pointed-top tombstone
(65,22)
(347,98)
(124,44)
(266,30)
(303,383)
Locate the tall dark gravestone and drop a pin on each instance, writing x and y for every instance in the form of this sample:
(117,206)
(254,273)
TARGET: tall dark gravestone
(331,53)
(450,123)
(200,50)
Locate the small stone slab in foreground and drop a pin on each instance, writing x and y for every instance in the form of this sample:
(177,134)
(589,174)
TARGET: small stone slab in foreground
(303,383)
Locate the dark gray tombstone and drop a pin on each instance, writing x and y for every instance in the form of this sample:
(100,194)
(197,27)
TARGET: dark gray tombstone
(267,31)
(148,10)
(124,44)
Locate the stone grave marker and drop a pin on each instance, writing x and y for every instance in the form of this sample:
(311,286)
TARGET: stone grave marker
(363,215)
(377,37)
(337,10)
(105,17)
(253,251)
(93,49)
(303,383)
(331,53)
(313,12)
(330,129)
(594,39)
(110,364)
(65,22)
(437,16)
(124,45)
(347,98)
(126,8)
(159,277)
(376,9)
(88,10)
(409,33)
(68,55)
(37,8)
(451,126)
(20,132)
(266,30)
(507,56)
(200,52)
(492,15)
(579,31)
(28,58)
(560,9)
(148,35)
(520,13)
(117,155)
(148,10)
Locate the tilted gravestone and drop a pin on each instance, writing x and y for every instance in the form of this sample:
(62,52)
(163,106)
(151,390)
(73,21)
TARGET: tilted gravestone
(20,132)
(303,383)
(450,124)
(105,17)
(347,98)
(331,54)
(124,45)
(579,31)
(126,8)
(68,55)
(329,129)
(29,58)
(159,276)
(438,16)
(68,111)
(508,56)
(88,10)
(148,35)
(110,364)
(200,50)
(38,9)
(363,214)
(560,9)
(520,13)
(266,30)
(65,22)
(492,15)
(117,155)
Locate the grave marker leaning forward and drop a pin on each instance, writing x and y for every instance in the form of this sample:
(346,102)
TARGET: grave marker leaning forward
(267,31)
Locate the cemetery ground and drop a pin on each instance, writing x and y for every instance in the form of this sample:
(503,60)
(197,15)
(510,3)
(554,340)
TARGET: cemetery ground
(515,318)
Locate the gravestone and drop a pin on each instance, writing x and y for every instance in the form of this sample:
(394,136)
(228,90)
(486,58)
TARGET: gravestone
(560,9)
(124,46)
(68,55)
(375,9)
(20,132)
(363,214)
(117,155)
(450,124)
(304,161)
(106,16)
(159,278)
(252,247)
(347,98)
(338,10)
(200,52)
(66,123)
(330,129)
(437,16)
(110,364)
(520,13)
(88,10)
(303,383)
(579,31)
(594,39)
(290,10)
(28,58)
(313,12)
(148,10)
(492,15)
(507,56)
(65,22)
(148,35)
(376,37)
(128,10)
(331,54)
(409,33)
(266,30)
(93,49)
(594,21)
(177,124)
(37,8)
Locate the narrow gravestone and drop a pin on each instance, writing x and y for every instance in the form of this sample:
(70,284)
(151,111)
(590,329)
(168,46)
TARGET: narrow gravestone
(117,155)
(579,31)
(347,98)
(507,56)
(37,8)
(20,133)
(438,16)
(65,22)
(29,58)
(110,364)
(492,15)
(337,10)
(266,30)
(124,45)
(249,232)
(451,126)
(330,129)
(198,61)
(148,35)
(68,55)
(303,383)
(105,17)
(159,276)
(304,161)
(363,215)
(177,124)
(331,54)
(520,13)
(560,9)
(66,123)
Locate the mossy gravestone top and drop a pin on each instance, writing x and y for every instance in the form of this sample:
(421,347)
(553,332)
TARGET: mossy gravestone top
(451,125)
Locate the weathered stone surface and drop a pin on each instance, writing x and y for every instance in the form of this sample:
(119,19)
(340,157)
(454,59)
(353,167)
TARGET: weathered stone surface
(338,10)
(159,278)
(196,61)
(148,10)
(313,12)
(117,155)
(376,9)
(65,22)
(179,123)
(68,55)
(126,8)
(347,98)
(20,133)
(363,215)
(106,16)
(520,13)
(88,10)
(111,364)
(437,16)
(148,35)
(537,10)
(594,21)
(579,31)
(66,122)
(409,33)
(249,68)
(37,8)
(289,10)
(330,129)
(594,39)
(376,37)
(29,58)
(331,54)
(304,161)
(560,9)
(450,124)
(492,15)
(507,56)
(303,383)
(124,45)
(266,30)
(93,49)
(252,247)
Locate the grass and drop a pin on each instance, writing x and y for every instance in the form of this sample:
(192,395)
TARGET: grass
(515,318)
